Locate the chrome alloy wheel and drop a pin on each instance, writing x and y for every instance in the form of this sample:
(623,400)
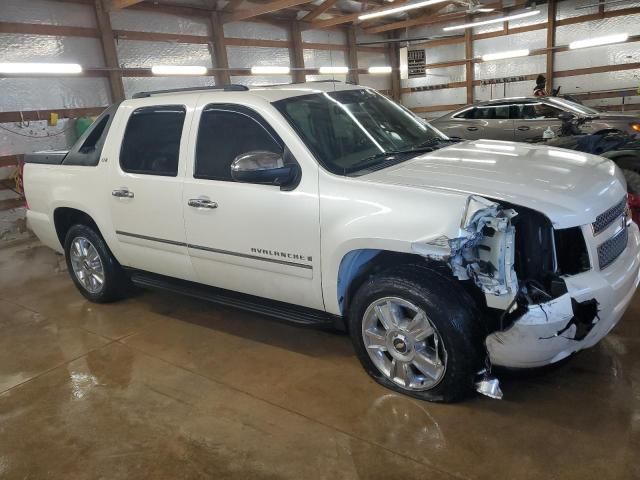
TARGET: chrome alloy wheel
(87,265)
(403,344)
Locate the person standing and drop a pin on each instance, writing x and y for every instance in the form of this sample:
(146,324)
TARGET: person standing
(540,88)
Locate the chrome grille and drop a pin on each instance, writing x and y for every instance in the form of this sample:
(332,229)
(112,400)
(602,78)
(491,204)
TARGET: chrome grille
(612,248)
(607,218)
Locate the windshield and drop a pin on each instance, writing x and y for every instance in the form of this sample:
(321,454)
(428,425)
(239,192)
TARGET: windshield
(573,106)
(357,130)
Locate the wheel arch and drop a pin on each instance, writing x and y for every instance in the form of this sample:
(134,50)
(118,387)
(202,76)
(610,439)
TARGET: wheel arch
(358,264)
(65,217)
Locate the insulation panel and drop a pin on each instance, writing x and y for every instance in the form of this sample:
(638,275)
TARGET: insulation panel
(145,21)
(258,80)
(47,12)
(16,47)
(324,58)
(255,30)
(53,93)
(335,37)
(246,57)
(142,84)
(566,34)
(143,54)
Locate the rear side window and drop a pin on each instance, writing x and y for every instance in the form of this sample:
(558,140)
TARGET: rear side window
(151,142)
(226,132)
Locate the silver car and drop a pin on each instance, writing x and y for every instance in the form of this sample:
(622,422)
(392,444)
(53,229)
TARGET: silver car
(526,118)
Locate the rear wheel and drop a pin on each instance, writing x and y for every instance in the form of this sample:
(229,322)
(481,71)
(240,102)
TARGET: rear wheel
(416,331)
(93,268)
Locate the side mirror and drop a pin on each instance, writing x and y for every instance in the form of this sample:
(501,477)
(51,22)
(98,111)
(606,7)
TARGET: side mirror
(564,116)
(266,168)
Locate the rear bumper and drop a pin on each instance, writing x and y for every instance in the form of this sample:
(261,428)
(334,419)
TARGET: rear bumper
(541,337)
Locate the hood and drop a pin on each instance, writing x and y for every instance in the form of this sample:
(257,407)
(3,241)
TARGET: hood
(570,188)
(619,117)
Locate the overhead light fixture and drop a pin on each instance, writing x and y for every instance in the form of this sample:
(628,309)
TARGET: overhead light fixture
(379,70)
(510,54)
(269,70)
(594,42)
(40,68)
(403,8)
(333,70)
(493,20)
(178,70)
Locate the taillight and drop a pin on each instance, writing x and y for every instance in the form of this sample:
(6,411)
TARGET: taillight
(633,207)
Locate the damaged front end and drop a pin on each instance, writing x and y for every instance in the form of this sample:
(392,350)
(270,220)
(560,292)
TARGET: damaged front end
(517,260)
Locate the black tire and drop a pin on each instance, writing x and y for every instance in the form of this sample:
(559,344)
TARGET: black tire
(115,281)
(633,181)
(451,311)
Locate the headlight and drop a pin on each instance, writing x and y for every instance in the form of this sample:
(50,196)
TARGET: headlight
(635,127)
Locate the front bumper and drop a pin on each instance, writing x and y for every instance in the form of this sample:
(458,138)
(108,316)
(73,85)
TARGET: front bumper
(541,337)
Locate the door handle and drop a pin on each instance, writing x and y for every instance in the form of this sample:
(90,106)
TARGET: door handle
(523,128)
(472,129)
(122,193)
(202,203)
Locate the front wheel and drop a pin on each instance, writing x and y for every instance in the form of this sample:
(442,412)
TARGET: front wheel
(94,270)
(417,331)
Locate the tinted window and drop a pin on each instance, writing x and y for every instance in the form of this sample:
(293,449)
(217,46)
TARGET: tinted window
(151,142)
(226,132)
(538,110)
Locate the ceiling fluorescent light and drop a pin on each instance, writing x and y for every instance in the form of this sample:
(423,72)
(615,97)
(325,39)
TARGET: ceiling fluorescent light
(379,70)
(178,70)
(493,20)
(594,42)
(333,70)
(510,54)
(403,8)
(40,68)
(267,70)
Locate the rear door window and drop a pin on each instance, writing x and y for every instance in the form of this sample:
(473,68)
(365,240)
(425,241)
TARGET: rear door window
(151,143)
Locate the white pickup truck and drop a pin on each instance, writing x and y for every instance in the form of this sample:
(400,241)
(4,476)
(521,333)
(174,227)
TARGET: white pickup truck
(328,204)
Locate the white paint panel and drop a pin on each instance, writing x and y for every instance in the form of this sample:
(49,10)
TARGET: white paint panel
(260,31)
(53,92)
(510,67)
(598,28)
(632,104)
(47,48)
(142,84)
(379,82)
(324,58)
(361,36)
(145,21)
(142,54)
(326,78)
(438,76)
(445,53)
(597,56)
(369,59)
(567,9)
(523,22)
(527,40)
(435,97)
(47,12)
(335,37)
(246,57)
(503,90)
(257,80)
(598,81)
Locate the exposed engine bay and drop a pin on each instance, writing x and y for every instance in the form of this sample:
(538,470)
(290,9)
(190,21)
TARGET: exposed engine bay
(515,257)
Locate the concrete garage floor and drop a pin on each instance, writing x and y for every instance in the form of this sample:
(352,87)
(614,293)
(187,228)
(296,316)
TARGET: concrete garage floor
(161,386)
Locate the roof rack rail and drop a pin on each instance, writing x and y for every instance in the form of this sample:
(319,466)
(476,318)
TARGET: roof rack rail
(226,88)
